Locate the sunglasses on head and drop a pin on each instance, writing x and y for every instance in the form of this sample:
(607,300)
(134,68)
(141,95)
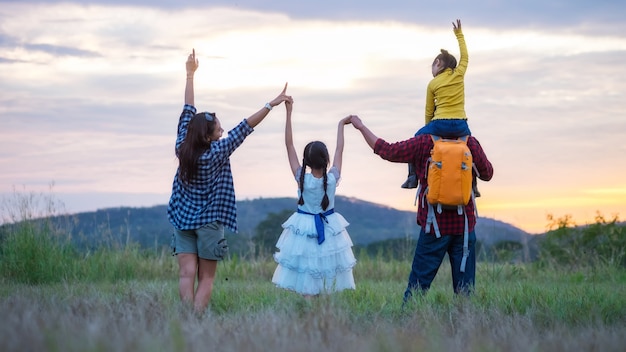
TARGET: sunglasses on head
(209,116)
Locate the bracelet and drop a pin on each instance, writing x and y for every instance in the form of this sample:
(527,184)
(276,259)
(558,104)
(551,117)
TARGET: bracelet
(189,77)
(268,106)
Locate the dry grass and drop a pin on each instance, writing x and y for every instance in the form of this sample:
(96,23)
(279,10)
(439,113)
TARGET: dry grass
(53,298)
(510,313)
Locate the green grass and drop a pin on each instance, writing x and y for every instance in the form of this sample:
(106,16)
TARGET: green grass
(533,311)
(122,298)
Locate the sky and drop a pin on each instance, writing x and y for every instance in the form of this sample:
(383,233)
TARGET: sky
(91,93)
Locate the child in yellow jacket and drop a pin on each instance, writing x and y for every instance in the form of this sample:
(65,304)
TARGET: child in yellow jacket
(445,99)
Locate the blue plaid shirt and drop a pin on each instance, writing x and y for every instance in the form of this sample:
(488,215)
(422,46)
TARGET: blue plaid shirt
(211,196)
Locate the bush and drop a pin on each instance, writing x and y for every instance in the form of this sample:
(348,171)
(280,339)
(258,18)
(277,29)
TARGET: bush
(30,254)
(36,248)
(603,242)
(32,249)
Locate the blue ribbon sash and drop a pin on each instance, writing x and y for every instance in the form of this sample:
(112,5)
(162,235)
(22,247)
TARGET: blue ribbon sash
(320,218)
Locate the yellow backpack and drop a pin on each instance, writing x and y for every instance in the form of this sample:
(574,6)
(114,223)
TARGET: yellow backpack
(449,183)
(449,173)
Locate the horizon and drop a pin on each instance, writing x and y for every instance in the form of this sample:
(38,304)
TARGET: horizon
(91,92)
(43,205)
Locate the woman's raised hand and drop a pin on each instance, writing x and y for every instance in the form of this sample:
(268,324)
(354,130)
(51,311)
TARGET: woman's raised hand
(282,97)
(192,63)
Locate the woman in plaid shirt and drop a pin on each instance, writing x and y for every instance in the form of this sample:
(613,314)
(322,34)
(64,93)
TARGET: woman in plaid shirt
(203,195)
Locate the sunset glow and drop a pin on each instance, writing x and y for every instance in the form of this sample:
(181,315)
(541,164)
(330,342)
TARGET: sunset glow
(90,97)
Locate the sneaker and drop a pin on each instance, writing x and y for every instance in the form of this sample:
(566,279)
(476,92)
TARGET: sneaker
(411,182)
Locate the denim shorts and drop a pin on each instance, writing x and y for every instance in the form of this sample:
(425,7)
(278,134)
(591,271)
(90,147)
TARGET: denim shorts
(207,242)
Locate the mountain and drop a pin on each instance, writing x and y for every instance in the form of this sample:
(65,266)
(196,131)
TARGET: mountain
(369,223)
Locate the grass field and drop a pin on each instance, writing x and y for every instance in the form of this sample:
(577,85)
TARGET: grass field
(121,298)
(514,308)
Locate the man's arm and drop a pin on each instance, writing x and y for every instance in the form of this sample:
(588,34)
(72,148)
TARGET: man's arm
(368,135)
(398,152)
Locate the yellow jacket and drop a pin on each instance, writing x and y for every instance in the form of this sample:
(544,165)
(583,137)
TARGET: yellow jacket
(445,94)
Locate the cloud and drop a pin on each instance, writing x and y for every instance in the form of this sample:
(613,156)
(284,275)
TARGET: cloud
(7,61)
(599,17)
(59,50)
(90,100)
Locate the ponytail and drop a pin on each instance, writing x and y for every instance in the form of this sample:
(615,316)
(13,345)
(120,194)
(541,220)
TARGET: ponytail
(301,182)
(325,200)
(449,61)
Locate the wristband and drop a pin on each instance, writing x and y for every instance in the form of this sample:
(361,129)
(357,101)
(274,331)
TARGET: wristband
(268,106)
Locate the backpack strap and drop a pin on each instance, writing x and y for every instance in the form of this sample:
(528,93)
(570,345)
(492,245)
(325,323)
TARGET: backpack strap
(475,207)
(419,185)
(473,195)
(417,193)
(431,219)
(465,245)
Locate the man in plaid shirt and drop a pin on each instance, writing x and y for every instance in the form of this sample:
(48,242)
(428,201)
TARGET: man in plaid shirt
(430,250)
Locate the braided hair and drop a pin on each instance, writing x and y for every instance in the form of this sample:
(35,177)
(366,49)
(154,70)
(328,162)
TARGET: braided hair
(448,60)
(201,126)
(316,157)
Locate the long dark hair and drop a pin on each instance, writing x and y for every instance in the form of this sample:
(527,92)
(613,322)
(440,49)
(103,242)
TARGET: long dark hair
(196,143)
(449,61)
(316,157)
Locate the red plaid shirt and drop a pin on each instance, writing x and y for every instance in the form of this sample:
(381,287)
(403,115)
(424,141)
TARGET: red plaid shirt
(417,151)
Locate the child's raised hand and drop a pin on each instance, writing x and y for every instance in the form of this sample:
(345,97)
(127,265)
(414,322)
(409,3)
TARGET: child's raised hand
(457,26)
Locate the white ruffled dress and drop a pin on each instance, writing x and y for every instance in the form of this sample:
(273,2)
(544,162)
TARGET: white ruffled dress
(304,266)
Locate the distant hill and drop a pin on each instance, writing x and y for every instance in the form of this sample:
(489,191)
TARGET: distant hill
(369,223)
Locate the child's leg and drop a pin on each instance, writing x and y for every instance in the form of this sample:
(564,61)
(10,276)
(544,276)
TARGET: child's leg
(450,128)
(426,129)
(411,180)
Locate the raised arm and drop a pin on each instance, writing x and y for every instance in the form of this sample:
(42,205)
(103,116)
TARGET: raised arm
(191,65)
(337,161)
(464,59)
(258,116)
(368,135)
(294,163)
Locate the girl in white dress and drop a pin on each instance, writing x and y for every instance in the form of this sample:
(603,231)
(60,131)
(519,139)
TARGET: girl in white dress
(314,250)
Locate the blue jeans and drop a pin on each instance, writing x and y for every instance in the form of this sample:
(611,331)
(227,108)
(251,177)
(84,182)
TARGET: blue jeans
(446,128)
(429,254)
